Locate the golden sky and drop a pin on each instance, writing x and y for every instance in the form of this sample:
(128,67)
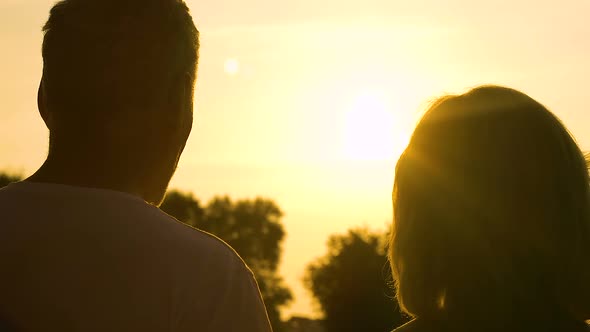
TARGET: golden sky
(308,102)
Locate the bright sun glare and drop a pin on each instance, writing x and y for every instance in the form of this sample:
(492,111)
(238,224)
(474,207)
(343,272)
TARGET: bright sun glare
(231,67)
(370,130)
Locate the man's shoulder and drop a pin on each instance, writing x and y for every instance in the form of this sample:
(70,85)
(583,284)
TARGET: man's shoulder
(195,244)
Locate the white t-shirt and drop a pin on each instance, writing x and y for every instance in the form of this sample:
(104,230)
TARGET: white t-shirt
(82,259)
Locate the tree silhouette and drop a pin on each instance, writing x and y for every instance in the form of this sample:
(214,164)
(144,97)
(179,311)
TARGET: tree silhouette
(252,227)
(352,284)
(6,179)
(184,207)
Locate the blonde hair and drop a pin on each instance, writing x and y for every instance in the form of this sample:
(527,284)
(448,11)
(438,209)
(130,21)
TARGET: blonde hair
(491,210)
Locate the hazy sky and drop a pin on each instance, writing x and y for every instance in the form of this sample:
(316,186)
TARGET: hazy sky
(308,102)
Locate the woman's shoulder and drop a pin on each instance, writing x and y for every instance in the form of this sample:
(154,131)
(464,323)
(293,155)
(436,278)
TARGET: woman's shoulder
(418,325)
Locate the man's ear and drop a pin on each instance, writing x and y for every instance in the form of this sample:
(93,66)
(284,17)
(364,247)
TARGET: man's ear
(189,89)
(42,105)
(188,85)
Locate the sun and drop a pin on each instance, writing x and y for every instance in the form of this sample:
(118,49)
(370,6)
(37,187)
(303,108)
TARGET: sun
(231,67)
(370,130)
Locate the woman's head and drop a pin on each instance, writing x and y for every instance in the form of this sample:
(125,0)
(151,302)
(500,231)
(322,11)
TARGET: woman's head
(491,207)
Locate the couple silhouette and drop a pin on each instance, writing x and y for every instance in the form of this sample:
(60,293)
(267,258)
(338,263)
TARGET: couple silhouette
(491,199)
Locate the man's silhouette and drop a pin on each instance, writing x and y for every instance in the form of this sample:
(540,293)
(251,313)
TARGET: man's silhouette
(83,246)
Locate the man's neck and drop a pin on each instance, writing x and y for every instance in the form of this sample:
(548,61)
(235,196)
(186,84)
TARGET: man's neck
(83,174)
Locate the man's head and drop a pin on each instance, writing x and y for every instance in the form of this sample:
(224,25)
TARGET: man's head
(117,87)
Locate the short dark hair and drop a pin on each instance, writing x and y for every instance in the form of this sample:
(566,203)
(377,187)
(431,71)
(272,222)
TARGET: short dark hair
(491,209)
(106,57)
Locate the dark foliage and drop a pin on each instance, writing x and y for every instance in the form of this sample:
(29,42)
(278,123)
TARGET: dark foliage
(352,284)
(6,179)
